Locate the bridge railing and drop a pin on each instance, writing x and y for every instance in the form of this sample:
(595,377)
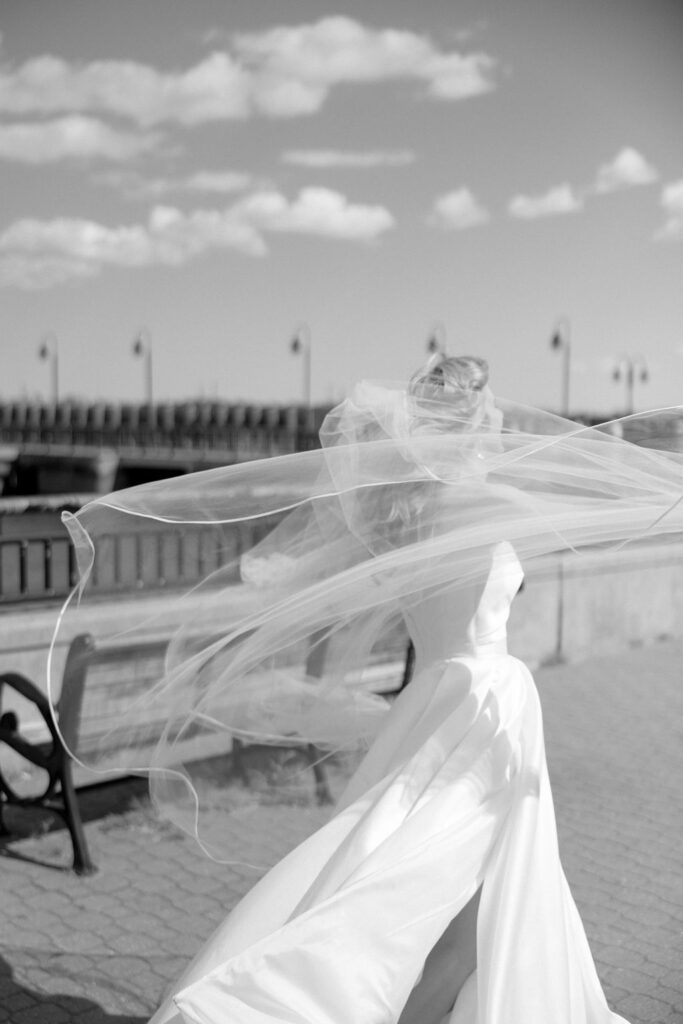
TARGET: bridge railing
(247,430)
(37,559)
(35,569)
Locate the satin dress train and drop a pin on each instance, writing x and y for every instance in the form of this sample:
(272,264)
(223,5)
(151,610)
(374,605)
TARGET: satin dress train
(451,802)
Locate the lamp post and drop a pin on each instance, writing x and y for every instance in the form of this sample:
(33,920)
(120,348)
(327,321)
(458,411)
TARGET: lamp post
(436,341)
(49,350)
(561,341)
(629,369)
(142,349)
(301,343)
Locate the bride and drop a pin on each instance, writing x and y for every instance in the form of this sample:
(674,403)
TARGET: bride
(435,892)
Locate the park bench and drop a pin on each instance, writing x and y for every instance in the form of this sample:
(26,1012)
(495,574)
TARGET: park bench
(129,667)
(115,676)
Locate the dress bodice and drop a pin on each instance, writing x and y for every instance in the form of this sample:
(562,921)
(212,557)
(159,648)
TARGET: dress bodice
(470,620)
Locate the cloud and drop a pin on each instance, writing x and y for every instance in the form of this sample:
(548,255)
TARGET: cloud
(169,237)
(324,158)
(179,237)
(39,253)
(215,89)
(456,77)
(71,138)
(672,202)
(35,272)
(79,239)
(298,65)
(213,181)
(558,200)
(280,72)
(628,169)
(135,186)
(316,211)
(457,210)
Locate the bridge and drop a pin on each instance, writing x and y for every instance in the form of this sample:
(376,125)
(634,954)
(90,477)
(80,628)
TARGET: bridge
(98,447)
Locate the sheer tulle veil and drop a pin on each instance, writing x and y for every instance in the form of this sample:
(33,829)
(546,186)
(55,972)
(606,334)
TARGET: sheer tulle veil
(318,553)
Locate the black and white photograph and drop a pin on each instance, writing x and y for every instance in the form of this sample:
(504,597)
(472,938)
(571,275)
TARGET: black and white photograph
(341,512)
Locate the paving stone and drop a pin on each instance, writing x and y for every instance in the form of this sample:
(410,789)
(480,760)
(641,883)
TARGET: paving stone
(19,1000)
(643,1008)
(41,1015)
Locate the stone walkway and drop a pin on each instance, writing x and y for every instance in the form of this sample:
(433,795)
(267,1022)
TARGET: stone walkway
(101,950)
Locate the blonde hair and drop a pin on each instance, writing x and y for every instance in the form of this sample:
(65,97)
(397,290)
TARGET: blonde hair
(452,373)
(450,389)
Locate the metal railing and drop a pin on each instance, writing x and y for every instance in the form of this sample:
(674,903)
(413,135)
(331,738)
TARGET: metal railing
(40,563)
(35,568)
(248,431)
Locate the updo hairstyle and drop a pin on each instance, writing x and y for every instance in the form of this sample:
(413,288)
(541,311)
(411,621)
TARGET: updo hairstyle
(449,393)
(452,373)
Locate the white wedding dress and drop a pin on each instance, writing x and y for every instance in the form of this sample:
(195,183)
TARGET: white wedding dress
(451,801)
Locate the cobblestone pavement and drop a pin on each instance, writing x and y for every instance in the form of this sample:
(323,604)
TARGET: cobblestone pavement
(100,950)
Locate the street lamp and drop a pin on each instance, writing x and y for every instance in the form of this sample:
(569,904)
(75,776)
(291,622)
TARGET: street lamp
(49,350)
(142,349)
(628,369)
(436,342)
(301,343)
(561,341)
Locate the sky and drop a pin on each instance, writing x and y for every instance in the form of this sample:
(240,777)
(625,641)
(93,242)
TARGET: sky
(216,178)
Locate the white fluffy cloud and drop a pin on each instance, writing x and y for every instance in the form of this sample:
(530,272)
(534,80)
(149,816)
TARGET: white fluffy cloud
(215,89)
(628,169)
(457,77)
(672,202)
(297,65)
(74,137)
(457,210)
(37,253)
(280,72)
(560,199)
(316,211)
(79,239)
(324,158)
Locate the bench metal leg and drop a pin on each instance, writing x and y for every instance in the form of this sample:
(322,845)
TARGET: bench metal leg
(4,831)
(322,788)
(82,863)
(237,762)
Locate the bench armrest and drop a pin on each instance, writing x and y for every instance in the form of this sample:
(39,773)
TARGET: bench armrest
(27,689)
(11,736)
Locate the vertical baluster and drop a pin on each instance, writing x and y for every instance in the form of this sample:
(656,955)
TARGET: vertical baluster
(23,567)
(116,551)
(73,571)
(161,579)
(48,566)
(94,572)
(139,578)
(201,557)
(180,548)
